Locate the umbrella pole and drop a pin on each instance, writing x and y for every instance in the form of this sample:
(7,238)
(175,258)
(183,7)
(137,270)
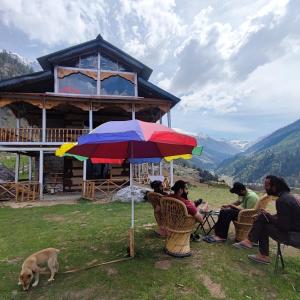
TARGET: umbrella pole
(131,230)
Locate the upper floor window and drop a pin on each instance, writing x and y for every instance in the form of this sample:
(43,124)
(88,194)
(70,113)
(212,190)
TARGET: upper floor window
(117,84)
(109,64)
(77,82)
(81,75)
(87,61)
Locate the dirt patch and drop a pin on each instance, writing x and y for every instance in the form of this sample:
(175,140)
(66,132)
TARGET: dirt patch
(54,218)
(111,271)
(13,260)
(83,294)
(163,264)
(36,203)
(198,258)
(214,289)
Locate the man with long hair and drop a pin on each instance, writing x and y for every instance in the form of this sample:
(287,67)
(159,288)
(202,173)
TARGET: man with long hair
(276,226)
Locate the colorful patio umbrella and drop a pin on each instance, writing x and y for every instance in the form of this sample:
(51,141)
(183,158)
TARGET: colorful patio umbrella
(133,139)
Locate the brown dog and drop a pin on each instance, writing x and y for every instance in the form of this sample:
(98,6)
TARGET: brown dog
(31,267)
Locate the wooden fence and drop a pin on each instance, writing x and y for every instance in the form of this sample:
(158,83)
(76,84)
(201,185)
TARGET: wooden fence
(19,191)
(103,188)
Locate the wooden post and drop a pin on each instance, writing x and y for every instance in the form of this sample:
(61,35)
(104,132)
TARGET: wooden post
(91,117)
(133,112)
(44,125)
(17,166)
(18,129)
(160,163)
(29,168)
(41,174)
(171,162)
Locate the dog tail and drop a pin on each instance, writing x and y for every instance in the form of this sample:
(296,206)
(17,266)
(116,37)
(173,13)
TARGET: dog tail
(56,250)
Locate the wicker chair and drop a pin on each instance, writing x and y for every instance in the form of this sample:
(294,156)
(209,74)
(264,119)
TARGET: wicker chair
(154,199)
(246,217)
(179,225)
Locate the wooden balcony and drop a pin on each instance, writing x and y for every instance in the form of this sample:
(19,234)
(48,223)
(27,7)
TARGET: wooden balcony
(34,135)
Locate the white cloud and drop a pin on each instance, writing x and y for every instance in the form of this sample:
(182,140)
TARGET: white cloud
(159,26)
(226,59)
(54,22)
(180,130)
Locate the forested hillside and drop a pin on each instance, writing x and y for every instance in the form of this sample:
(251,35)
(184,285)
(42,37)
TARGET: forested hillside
(11,65)
(277,154)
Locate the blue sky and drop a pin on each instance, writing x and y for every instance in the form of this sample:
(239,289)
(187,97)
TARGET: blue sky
(235,64)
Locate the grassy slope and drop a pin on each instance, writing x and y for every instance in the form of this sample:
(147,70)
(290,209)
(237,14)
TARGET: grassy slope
(88,232)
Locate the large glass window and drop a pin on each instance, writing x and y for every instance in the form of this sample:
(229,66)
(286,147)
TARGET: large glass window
(116,85)
(109,64)
(80,75)
(77,83)
(89,61)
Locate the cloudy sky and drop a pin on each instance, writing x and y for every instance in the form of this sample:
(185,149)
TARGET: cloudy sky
(234,63)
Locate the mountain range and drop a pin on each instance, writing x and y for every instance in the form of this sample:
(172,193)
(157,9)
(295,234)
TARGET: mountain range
(278,154)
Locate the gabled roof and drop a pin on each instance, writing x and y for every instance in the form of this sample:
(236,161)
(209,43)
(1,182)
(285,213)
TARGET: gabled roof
(156,91)
(24,80)
(43,81)
(48,61)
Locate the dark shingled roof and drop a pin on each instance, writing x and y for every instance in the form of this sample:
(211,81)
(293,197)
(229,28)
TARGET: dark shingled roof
(43,81)
(25,80)
(48,61)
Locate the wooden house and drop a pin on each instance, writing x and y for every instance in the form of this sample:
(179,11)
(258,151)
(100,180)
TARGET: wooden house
(78,89)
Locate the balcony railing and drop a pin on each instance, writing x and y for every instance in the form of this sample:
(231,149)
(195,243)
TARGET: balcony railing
(34,135)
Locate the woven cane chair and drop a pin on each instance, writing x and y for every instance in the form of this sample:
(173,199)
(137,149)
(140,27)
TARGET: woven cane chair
(154,199)
(245,218)
(179,225)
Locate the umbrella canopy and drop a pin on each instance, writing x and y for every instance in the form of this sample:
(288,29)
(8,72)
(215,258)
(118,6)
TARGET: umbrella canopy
(133,139)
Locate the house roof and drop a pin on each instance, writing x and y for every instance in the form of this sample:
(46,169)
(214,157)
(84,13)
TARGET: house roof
(43,81)
(23,80)
(48,61)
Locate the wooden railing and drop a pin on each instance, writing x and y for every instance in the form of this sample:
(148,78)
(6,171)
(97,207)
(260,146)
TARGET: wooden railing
(20,134)
(98,189)
(34,135)
(19,191)
(64,134)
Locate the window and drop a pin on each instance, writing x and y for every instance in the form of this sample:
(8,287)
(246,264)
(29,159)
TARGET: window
(116,85)
(77,83)
(80,75)
(107,63)
(89,61)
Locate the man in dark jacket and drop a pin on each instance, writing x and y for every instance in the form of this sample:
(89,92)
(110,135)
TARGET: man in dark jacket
(276,226)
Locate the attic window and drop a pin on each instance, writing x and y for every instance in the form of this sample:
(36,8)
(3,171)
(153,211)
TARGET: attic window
(88,61)
(108,64)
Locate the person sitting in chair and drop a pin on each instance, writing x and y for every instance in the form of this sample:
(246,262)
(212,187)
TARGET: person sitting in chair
(278,227)
(180,190)
(228,213)
(158,187)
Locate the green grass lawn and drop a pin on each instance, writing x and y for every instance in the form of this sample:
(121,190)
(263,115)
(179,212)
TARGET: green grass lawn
(88,233)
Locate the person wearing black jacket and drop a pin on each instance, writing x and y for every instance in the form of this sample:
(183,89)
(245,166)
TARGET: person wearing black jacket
(278,227)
